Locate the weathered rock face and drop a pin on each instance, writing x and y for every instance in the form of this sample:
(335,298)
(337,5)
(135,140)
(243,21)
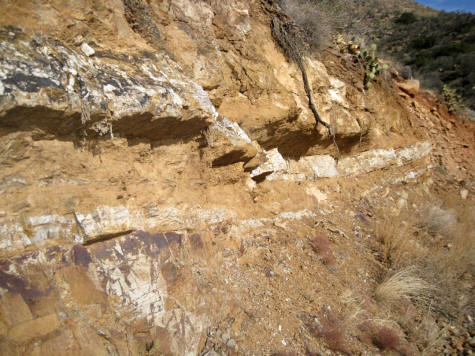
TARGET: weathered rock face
(132,96)
(162,181)
(224,46)
(88,299)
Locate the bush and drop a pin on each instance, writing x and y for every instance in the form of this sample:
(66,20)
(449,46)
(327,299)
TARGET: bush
(313,21)
(406,18)
(424,42)
(453,49)
(332,331)
(451,99)
(424,56)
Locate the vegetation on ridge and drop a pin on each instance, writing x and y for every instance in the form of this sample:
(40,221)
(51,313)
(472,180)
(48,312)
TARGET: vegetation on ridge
(436,47)
(440,51)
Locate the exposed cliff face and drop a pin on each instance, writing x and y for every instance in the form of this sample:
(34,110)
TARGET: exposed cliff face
(226,48)
(162,179)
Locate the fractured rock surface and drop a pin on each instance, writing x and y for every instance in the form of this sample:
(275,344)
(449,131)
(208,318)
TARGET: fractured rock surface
(163,187)
(130,96)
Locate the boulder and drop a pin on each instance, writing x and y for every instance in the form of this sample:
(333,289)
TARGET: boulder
(410,87)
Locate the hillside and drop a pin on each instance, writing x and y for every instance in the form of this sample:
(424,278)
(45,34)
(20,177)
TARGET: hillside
(189,177)
(438,48)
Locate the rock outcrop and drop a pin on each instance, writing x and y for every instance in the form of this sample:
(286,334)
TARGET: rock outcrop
(162,181)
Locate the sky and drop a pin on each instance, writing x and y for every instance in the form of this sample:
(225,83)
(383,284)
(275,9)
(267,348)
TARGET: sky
(450,5)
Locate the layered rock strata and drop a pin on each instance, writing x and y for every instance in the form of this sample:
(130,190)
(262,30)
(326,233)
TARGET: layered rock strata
(153,154)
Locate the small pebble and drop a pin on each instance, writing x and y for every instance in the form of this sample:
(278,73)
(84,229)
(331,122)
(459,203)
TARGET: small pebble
(87,50)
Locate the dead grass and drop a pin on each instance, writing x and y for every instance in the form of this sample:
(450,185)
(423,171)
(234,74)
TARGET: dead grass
(422,331)
(329,326)
(452,271)
(332,330)
(383,337)
(405,284)
(398,248)
(313,21)
(386,339)
(460,257)
(322,247)
(440,220)
(354,306)
(434,269)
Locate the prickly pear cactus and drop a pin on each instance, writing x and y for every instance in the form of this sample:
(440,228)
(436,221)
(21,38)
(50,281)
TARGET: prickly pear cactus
(371,65)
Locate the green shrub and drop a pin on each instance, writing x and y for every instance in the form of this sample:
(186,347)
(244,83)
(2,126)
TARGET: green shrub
(406,18)
(452,49)
(424,56)
(423,42)
(451,98)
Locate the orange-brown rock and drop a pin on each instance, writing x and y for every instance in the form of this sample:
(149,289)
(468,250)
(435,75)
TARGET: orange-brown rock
(410,87)
(163,187)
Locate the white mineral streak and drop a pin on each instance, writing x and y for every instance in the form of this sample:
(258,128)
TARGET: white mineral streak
(158,88)
(87,50)
(138,282)
(153,78)
(411,175)
(105,220)
(322,166)
(49,226)
(376,159)
(286,215)
(231,130)
(309,168)
(274,164)
(337,91)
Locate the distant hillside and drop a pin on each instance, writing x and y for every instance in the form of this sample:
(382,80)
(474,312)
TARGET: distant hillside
(438,46)
(440,50)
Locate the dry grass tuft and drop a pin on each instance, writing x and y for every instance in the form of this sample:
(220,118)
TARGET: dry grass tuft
(432,272)
(313,21)
(382,337)
(440,220)
(460,258)
(452,271)
(332,331)
(397,246)
(386,339)
(405,284)
(328,325)
(321,246)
